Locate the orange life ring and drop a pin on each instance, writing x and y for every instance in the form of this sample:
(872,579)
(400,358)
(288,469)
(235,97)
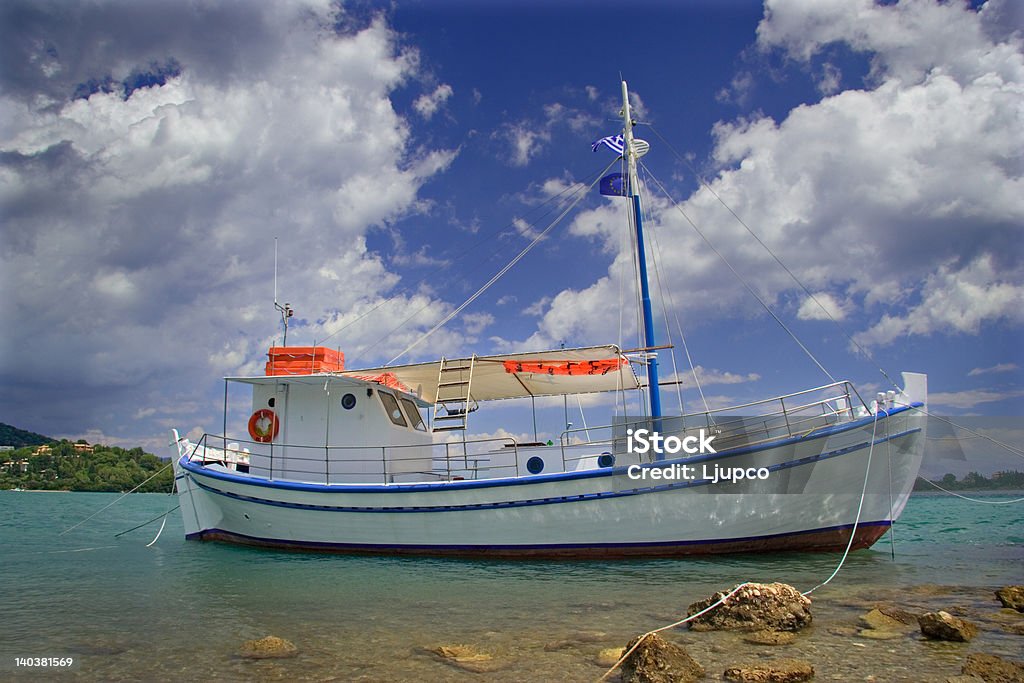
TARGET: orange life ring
(264,425)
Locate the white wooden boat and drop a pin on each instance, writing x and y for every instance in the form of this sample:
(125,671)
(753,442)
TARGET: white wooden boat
(344,460)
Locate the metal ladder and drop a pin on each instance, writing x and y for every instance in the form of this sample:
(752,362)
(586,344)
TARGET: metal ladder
(452,404)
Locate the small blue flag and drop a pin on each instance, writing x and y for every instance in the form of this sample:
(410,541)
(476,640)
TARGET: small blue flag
(612,142)
(614,185)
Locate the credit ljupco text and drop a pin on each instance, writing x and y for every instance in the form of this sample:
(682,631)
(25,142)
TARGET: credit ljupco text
(643,441)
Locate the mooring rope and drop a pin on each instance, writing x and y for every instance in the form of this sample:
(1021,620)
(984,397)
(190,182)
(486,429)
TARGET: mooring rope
(117,500)
(725,598)
(127,531)
(973,500)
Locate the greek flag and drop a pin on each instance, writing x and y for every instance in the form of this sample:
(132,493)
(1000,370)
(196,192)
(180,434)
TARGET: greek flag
(612,142)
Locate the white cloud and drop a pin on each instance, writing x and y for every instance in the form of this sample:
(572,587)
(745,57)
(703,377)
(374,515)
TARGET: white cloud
(711,377)
(955,301)
(529,138)
(155,212)
(822,307)
(427,104)
(999,367)
(900,202)
(970,398)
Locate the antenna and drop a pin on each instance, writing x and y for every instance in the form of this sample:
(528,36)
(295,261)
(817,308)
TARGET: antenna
(286,310)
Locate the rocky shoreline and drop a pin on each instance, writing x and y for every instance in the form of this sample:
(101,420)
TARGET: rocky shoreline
(762,633)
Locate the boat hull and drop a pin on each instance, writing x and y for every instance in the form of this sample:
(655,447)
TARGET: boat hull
(810,500)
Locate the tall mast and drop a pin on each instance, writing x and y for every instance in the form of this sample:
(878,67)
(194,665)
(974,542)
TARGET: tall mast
(630,156)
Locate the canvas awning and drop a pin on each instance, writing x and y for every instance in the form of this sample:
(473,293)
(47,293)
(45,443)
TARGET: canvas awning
(498,377)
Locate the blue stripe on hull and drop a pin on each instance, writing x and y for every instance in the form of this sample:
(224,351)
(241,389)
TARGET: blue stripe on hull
(600,495)
(561,476)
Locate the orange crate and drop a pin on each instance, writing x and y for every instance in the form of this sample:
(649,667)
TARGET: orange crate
(303,360)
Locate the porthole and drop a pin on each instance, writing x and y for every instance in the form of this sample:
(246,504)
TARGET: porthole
(348,401)
(535,465)
(605,460)
(270,402)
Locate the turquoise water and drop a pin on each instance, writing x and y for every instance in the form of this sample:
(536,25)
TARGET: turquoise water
(180,610)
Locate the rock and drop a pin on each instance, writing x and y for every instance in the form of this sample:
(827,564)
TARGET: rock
(767,637)
(609,656)
(878,621)
(877,634)
(843,631)
(907,619)
(755,607)
(1012,597)
(1015,629)
(575,639)
(270,647)
(964,679)
(656,660)
(467,658)
(779,671)
(944,626)
(992,669)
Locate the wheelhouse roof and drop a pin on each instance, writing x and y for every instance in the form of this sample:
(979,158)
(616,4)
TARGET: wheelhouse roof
(491,379)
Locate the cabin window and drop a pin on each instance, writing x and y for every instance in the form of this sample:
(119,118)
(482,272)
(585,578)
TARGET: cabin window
(414,415)
(392,409)
(348,401)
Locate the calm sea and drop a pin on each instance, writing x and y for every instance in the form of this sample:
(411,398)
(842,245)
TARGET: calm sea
(180,610)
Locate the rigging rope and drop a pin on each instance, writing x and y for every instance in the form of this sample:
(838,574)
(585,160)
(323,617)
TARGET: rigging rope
(446,264)
(797,280)
(504,270)
(664,299)
(740,278)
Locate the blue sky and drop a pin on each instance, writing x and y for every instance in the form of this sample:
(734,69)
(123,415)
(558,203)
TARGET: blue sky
(152,151)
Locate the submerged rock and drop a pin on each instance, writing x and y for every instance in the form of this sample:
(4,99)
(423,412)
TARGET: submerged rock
(886,623)
(779,671)
(992,669)
(656,660)
(270,647)
(944,626)
(467,658)
(755,607)
(609,656)
(889,619)
(1012,597)
(768,637)
(575,639)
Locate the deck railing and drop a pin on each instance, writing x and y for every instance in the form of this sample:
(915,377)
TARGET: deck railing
(447,461)
(794,415)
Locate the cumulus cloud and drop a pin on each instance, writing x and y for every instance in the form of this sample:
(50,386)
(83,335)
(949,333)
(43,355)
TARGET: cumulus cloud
(141,201)
(900,202)
(954,301)
(823,306)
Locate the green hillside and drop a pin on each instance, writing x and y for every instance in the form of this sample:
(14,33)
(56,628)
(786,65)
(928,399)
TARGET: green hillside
(12,436)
